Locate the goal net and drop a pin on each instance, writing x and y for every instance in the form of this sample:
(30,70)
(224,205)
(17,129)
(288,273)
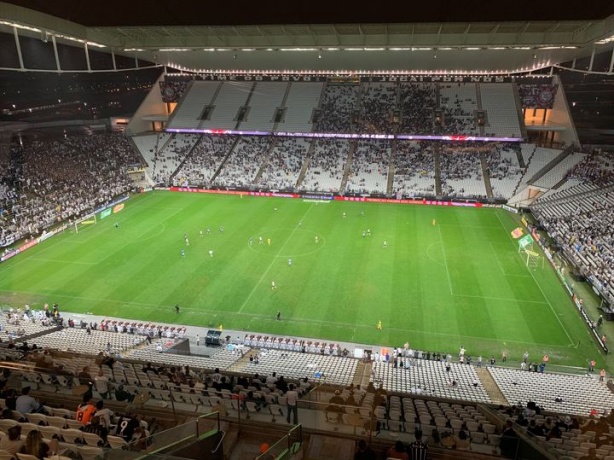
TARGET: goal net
(86,221)
(533,259)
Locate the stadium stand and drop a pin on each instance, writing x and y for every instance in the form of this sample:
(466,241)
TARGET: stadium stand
(205,159)
(265,98)
(336,108)
(300,102)
(500,105)
(414,169)
(368,172)
(243,163)
(504,170)
(461,174)
(284,166)
(427,393)
(459,103)
(196,98)
(325,171)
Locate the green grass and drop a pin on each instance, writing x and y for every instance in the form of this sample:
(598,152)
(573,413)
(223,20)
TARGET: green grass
(459,282)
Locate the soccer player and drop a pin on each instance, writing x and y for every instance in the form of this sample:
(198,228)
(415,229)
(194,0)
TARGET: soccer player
(379,325)
(344,215)
(116,224)
(201,233)
(221,229)
(251,241)
(364,233)
(317,239)
(210,252)
(289,262)
(273,285)
(434,222)
(187,242)
(268,241)
(385,244)
(368,232)
(208,231)
(177,308)
(182,253)
(278,316)
(300,223)
(260,240)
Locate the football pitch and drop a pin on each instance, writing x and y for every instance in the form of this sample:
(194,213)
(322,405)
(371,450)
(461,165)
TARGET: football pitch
(437,277)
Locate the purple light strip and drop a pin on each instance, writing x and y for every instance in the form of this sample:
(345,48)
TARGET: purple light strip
(418,137)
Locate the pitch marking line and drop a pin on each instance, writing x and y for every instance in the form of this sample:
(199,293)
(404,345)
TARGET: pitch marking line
(198,312)
(274,260)
(492,246)
(502,299)
(445,259)
(539,286)
(63,261)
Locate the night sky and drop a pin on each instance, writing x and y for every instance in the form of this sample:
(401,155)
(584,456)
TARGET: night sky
(244,12)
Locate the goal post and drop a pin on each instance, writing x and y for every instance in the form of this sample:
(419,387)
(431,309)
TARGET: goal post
(533,259)
(88,220)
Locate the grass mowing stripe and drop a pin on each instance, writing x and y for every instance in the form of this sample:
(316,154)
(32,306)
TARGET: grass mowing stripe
(296,227)
(336,291)
(571,342)
(445,260)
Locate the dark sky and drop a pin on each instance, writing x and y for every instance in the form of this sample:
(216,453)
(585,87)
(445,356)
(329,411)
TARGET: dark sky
(246,12)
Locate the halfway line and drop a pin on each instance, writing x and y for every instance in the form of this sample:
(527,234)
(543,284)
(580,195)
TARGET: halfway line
(273,261)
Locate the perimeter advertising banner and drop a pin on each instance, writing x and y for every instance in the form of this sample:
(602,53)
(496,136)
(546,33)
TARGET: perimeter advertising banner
(329,197)
(106,213)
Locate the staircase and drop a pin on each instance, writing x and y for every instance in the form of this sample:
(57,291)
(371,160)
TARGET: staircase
(362,375)
(239,364)
(346,169)
(478,96)
(486,175)
(437,170)
(390,185)
(305,167)
(265,161)
(491,387)
(188,155)
(217,171)
(520,159)
(546,169)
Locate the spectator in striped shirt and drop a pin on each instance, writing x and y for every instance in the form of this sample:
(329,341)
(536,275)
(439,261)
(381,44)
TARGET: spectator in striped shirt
(418,450)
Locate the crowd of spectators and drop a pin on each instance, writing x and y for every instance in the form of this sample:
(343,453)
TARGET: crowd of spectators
(243,163)
(503,168)
(458,103)
(414,169)
(581,219)
(54,180)
(326,166)
(368,172)
(285,163)
(167,159)
(378,101)
(417,105)
(337,108)
(596,168)
(461,173)
(204,160)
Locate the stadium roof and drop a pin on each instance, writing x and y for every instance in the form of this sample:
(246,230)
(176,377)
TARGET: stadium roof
(438,35)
